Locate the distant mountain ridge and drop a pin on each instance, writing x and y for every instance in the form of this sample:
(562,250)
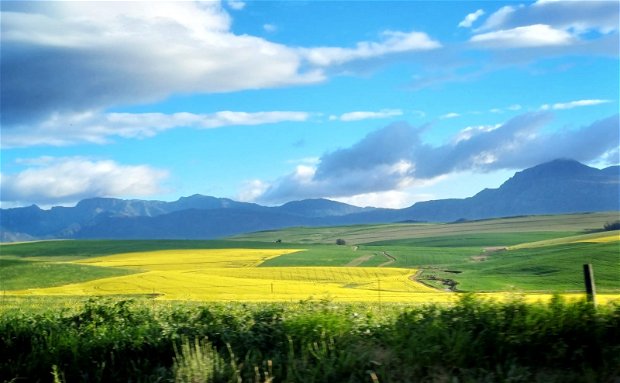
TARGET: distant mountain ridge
(560,186)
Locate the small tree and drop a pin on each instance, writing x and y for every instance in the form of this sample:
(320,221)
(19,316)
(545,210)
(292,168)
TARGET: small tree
(341,242)
(612,226)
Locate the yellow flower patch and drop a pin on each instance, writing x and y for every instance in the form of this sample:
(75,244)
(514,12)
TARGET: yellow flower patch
(232,275)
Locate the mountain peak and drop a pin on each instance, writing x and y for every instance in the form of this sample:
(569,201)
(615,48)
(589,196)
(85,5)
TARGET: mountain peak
(559,168)
(561,165)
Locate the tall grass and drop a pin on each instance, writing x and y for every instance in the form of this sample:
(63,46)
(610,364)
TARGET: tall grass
(311,341)
(197,362)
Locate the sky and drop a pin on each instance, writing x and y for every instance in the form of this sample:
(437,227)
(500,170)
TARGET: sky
(372,103)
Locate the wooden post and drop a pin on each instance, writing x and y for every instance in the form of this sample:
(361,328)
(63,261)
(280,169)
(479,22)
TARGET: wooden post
(588,276)
(379,291)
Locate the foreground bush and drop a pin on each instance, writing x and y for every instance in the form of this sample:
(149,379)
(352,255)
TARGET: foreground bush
(473,340)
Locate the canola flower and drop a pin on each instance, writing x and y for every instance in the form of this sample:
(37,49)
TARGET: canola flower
(584,238)
(608,238)
(233,275)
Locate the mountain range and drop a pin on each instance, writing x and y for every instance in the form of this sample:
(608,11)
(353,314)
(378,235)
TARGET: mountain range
(556,187)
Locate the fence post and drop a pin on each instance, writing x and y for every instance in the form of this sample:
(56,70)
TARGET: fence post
(588,276)
(379,291)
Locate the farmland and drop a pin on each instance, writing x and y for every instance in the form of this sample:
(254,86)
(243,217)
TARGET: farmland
(537,256)
(230,274)
(390,305)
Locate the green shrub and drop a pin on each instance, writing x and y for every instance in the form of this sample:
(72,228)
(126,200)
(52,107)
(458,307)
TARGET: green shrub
(472,340)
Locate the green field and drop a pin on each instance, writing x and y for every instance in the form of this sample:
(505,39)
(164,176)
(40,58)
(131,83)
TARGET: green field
(357,234)
(533,254)
(18,274)
(522,254)
(70,250)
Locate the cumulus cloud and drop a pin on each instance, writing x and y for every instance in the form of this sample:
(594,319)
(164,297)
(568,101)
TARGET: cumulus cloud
(396,157)
(367,115)
(49,180)
(573,104)
(392,199)
(89,56)
(579,16)
(251,190)
(99,128)
(470,19)
(68,59)
(393,42)
(539,35)
(86,56)
(562,27)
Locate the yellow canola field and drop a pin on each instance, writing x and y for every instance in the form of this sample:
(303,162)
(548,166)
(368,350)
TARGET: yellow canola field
(584,238)
(232,275)
(608,238)
(166,260)
(262,284)
(545,297)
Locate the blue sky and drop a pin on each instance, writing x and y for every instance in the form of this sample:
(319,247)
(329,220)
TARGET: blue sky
(372,103)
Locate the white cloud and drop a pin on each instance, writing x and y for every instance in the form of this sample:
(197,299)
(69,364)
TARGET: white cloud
(251,190)
(304,173)
(392,43)
(99,128)
(395,158)
(84,56)
(236,4)
(577,16)
(270,28)
(573,104)
(367,115)
(50,180)
(498,18)
(391,199)
(84,59)
(449,115)
(511,108)
(471,131)
(530,36)
(583,28)
(469,20)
